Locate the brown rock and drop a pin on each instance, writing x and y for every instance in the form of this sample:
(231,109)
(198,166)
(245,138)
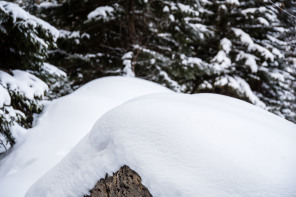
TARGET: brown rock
(125,182)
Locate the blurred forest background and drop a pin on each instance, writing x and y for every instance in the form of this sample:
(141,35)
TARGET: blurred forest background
(241,48)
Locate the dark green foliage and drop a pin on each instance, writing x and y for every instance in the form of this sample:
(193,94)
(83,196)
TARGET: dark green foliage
(183,45)
(271,80)
(19,44)
(154,38)
(24,44)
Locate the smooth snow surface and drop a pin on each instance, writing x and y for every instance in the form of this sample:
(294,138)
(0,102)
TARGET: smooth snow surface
(183,145)
(61,126)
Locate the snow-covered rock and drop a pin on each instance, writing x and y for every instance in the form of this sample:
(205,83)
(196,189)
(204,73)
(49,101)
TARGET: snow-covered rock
(183,145)
(125,182)
(61,126)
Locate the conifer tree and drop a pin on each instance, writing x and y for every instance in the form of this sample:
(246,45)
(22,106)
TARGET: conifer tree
(24,75)
(232,47)
(250,60)
(148,39)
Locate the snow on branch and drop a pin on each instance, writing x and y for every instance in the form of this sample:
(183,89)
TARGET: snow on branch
(18,13)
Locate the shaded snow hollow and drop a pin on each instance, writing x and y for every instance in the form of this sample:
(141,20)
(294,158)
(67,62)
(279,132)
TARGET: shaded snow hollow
(183,145)
(61,126)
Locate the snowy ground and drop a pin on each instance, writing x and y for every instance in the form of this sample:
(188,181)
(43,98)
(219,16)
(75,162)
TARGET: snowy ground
(62,125)
(181,145)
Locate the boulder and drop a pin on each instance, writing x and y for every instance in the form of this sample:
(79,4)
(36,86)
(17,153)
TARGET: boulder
(125,182)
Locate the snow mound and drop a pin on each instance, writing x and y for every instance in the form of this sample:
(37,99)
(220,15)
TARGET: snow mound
(61,126)
(183,145)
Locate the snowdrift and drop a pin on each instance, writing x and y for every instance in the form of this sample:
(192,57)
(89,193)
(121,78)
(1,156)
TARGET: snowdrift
(183,145)
(61,126)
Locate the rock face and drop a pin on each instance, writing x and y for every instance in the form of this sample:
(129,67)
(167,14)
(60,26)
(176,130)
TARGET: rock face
(125,182)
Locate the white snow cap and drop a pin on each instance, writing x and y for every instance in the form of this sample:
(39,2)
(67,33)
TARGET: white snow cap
(233,2)
(226,44)
(246,39)
(101,13)
(250,60)
(53,70)
(23,82)
(183,145)
(62,124)
(127,62)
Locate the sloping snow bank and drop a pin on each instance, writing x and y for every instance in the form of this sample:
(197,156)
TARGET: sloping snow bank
(62,125)
(183,145)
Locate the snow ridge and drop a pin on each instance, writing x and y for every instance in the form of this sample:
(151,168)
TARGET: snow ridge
(171,141)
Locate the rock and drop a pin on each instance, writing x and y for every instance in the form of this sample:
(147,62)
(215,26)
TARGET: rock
(124,182)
